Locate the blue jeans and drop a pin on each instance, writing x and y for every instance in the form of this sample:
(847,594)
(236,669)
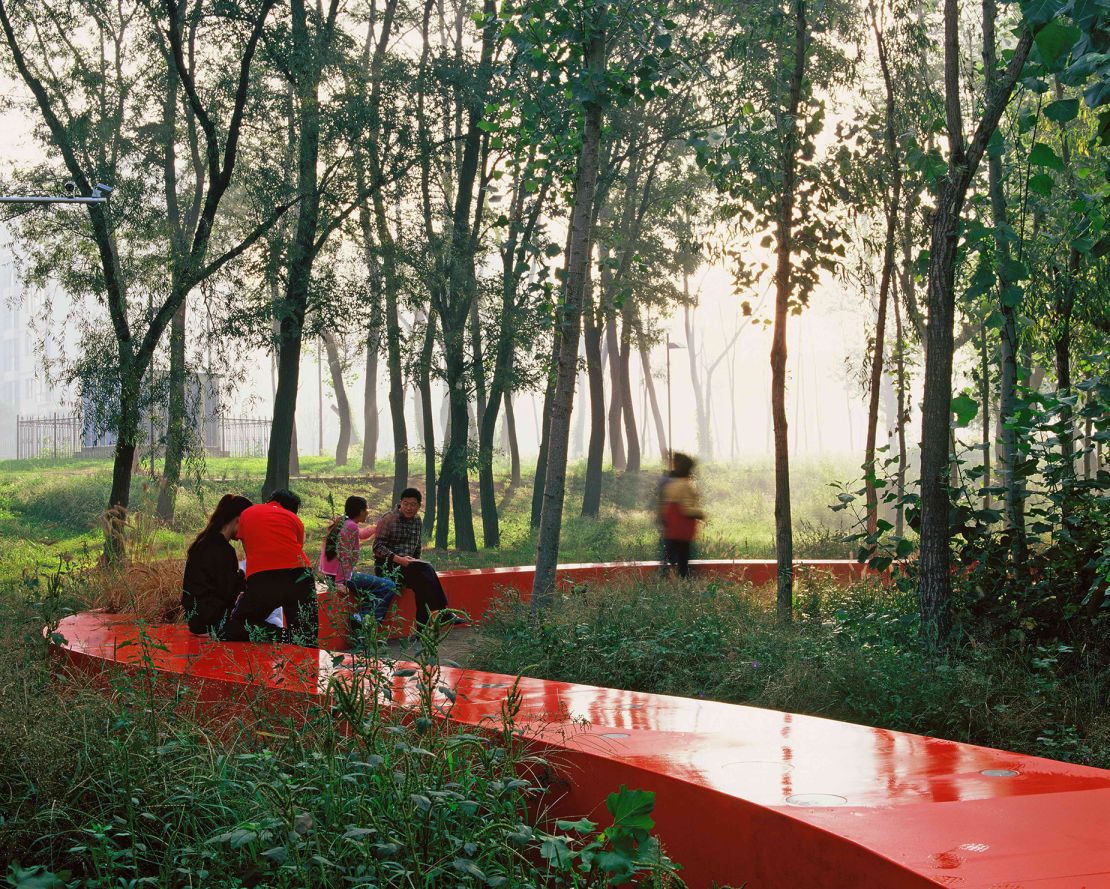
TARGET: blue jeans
(375,593)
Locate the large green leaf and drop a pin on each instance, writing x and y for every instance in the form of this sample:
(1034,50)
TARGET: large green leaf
(1041,184)
(1054,42)
(1062,110)
(631,809)
(965,408)
(1011,296)
(1038,12)
(1043,156)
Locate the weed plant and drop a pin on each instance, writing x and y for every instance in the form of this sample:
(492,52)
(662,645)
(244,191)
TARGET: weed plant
(853,653)
(125,782)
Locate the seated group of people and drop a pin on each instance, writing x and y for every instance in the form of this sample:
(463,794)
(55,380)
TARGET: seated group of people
(274,592)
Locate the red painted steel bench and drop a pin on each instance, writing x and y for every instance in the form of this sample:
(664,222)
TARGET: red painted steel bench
(776,800)
(473,589)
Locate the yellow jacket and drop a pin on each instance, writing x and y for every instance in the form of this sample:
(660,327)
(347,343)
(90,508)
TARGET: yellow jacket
(683,492)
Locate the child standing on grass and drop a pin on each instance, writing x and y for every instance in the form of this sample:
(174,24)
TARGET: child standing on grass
(679,513)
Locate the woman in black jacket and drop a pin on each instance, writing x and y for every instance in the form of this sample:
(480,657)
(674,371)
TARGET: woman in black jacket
(213,580)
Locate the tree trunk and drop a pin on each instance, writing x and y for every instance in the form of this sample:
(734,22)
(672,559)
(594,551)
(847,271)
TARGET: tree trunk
(540,481)
(342,403)
(177,427)
(427,413)
(514,445)
(301,255)
(935,583)
(396,393)
(370,402)
(570,318)
(701,418)
(903,415)
(578,442)
(1010,300)
(985,410)
(657,415)
(784,539)
(595,451)
(631,434)
(283,424)
(478,365)
(119,499)
(893,206)
(616,395)
(1065,303)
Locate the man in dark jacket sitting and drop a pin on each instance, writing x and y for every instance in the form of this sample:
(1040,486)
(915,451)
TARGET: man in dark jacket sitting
(397,544)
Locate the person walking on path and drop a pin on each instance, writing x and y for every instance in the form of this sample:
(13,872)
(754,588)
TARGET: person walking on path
(679,513)
(278,573)
(339,557)
(212,580)
(397,545)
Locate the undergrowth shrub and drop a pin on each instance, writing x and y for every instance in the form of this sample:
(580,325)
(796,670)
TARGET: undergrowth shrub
(128,782)
(853,654)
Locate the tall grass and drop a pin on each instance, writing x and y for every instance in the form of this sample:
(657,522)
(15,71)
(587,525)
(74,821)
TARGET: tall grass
(139,787)
(853,654)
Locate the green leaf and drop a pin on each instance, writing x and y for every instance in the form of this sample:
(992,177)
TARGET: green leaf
(1041,184)
(631,809)
(1037,12)
(1054,42)
(556,852)
(1062,110)
(1043,156)
(1101,247)
(582,825)
(1011,296)
(965,408)
(1013,270)
(468,867)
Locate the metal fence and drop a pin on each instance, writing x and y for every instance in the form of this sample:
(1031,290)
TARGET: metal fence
(244,436)
(50,437)
(60,435)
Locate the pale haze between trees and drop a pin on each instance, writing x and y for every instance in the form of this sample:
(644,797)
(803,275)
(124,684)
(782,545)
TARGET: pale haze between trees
(827,392)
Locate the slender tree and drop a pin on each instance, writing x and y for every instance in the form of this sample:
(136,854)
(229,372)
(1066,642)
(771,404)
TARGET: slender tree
(51,71)
(963,160)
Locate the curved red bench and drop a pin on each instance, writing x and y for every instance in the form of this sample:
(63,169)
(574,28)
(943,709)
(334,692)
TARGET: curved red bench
(743,794)
(473,590)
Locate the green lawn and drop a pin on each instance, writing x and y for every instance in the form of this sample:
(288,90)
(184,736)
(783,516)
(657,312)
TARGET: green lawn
(50,510)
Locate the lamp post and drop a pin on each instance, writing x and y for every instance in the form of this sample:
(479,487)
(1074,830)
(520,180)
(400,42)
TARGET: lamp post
(99,195)
(670,431)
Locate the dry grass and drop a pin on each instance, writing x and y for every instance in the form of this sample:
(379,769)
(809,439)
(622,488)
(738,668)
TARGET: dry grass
(150,590)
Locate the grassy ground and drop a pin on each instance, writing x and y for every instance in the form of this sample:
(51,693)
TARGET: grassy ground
(50,510)
(125,782)
(853,654)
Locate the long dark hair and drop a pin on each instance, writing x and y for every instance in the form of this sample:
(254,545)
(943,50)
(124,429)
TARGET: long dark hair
(230,507)
(353,507)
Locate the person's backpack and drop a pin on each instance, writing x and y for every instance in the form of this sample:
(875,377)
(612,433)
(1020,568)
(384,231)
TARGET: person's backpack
(331,540)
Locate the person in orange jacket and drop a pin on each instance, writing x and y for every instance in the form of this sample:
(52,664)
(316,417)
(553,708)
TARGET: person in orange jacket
(679,513)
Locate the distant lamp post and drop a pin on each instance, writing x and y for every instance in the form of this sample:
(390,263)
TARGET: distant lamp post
(670,431)
(100,193)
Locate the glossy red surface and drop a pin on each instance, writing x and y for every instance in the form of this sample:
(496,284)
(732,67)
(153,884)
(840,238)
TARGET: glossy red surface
(772,799)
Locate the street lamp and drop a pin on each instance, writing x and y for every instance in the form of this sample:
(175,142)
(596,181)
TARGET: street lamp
(670,432)
(100,193)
